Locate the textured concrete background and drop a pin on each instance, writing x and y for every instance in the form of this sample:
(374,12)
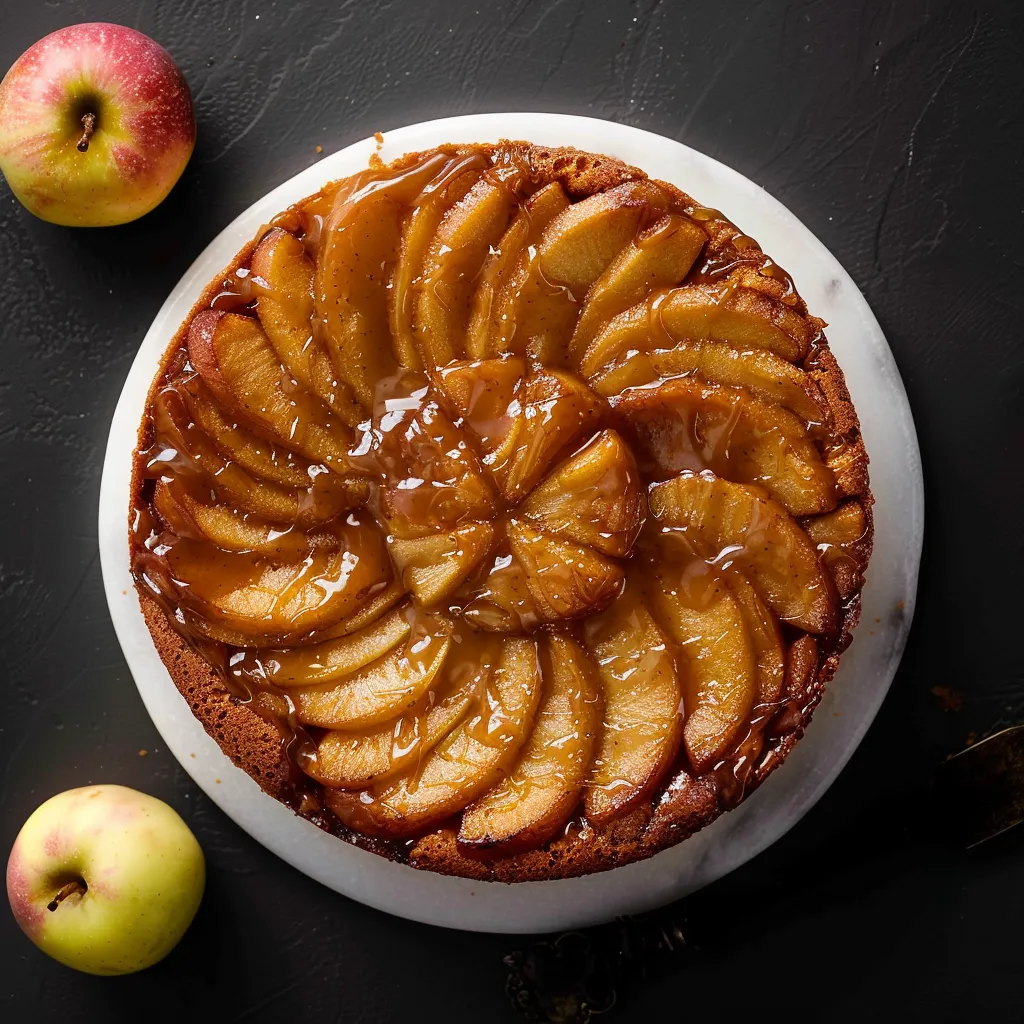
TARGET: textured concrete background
(894,131)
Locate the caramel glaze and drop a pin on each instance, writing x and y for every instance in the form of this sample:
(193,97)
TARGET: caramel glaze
(418,464)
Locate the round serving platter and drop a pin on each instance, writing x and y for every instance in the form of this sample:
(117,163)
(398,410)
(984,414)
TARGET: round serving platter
(849,704)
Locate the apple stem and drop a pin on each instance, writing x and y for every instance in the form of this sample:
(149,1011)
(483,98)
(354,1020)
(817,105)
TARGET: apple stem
(65,891)
(89,124)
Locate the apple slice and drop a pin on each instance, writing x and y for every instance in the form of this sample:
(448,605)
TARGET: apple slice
(801,691)
(434,567)
(716,658)
(331,660)
(840,538)
(360,244)
(480,394)
(593,498)
(252,452)
(763,374)
(376,605)
(567,581)
(684,424)
(487,396)
(736,316)
(187,449)
(283,276)
(237,363)
(452,265)
(657,257)
(455,179)
(537,798)
(234,531)
(540,306)
(765,635)
(355,760)
(734,524)
(504,602)
(643,713)
(630,332)
(504,272)
(245,593)
(468,762)
(377,693)
(433,479)
(556,410)
(579,244)
(801,669)
(685,806)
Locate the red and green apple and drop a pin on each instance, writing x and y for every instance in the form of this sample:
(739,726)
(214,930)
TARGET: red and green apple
(105,879)
(96,125)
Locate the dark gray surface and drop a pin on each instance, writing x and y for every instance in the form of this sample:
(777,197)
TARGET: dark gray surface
(893,130)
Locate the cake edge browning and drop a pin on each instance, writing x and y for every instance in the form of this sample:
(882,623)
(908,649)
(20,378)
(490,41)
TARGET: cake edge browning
(252,744)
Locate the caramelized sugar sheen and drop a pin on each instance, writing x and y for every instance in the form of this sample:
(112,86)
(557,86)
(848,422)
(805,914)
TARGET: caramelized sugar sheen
(517,497)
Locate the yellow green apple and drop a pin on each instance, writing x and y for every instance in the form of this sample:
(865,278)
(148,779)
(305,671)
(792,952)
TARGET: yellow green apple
(96,125)
(105,879)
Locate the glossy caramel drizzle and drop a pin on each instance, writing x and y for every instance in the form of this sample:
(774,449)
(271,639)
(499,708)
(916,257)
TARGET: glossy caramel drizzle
(258,550)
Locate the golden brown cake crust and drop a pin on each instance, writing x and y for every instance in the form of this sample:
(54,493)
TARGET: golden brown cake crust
(253,744)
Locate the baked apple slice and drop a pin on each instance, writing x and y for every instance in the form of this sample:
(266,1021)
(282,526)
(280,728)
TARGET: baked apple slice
(433,479)
(331,660)
(686,805)
(543,787)
(765,635)
(234,531)
(375,606)
(369,611)
(355,760)
(801,668)
(248,594)
(504,602)
(763,374)
(643,712)
(377,693)
(684,424)
(543,301)
(716,658)
(235,360)
(801,692)
(421,224)
(452,265)
(480,394)
(253,453)
(360,242)
(434,567)
(465,764)
(740,317)
(734,524)
(188,449)
(504,272)
(840,536)
(556,410)
(628,333)
(593,498)
(567,581)
(283,276)
(657,257)
(580,243)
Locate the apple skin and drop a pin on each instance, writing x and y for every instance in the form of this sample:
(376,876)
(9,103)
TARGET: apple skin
(144,133)
(143,869)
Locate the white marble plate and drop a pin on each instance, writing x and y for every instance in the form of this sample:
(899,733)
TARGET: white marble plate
(841,720)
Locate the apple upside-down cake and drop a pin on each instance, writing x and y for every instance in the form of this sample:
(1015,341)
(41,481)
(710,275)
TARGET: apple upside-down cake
(502,511)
